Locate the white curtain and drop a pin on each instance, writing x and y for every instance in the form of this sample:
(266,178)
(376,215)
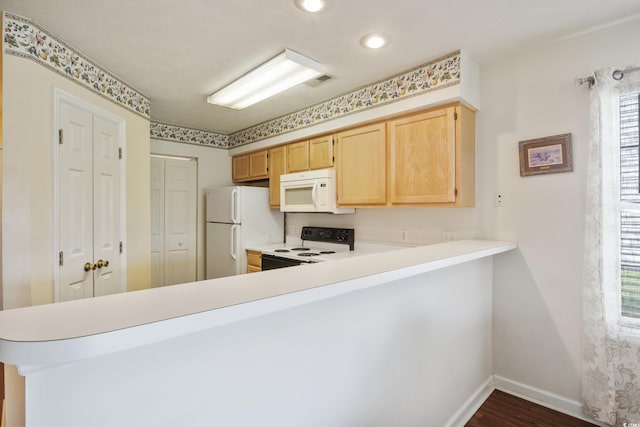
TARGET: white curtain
(611,365)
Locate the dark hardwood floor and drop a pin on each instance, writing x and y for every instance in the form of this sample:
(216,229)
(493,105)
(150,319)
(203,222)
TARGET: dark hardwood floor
(504,410)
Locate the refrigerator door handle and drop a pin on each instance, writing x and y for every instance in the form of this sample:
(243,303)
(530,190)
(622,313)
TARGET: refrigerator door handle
(234,204)
(233,247)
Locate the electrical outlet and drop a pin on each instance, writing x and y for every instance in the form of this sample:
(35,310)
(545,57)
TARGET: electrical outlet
(403,235)
(499,200)
(449,236)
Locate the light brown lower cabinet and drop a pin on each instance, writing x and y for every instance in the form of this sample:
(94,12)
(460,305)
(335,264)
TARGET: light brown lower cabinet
(254,261)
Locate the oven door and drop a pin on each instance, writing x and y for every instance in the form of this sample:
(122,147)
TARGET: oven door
(271,262)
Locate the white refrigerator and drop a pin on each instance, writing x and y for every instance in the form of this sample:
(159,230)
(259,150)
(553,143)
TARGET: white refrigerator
(236,218)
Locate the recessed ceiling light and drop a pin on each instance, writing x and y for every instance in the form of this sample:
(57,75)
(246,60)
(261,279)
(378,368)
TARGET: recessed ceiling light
(374,41)
(310,5)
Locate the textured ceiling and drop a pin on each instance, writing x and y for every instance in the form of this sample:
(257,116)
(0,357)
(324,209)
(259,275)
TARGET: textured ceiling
(177,53)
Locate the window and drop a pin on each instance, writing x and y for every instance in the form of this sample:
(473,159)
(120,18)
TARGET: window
(630,205)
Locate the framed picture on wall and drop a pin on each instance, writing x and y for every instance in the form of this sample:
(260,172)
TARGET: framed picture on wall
(551,154)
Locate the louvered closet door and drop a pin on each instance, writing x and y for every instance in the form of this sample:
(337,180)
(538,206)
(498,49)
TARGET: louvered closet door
(88,205)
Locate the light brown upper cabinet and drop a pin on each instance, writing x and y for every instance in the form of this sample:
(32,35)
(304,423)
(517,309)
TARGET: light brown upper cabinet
(277,167)
(419,159)
(240,168)
(316,153)
(321,152)
(298,156)
(250,166)
(431,158)
(361,166)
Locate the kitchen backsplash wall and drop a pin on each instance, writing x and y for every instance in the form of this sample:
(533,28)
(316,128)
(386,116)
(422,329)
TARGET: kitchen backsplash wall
(386,225)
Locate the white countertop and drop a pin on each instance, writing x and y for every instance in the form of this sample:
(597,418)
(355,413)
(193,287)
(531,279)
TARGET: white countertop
(64,332)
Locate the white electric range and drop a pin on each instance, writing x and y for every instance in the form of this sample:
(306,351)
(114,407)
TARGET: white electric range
(319,244)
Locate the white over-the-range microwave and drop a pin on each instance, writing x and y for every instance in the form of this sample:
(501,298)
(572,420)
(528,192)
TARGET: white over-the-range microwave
(310,191)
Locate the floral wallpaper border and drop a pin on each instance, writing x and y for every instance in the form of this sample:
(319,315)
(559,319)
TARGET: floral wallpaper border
(189,136)
(437,74)
(27,39)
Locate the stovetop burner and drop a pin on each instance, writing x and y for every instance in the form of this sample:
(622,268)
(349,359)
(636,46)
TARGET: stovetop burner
(309,254)
(300,249)
(327,252)
(282,250)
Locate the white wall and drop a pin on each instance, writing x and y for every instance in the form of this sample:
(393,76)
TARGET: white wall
(397,354)
(214,168)
(538,289)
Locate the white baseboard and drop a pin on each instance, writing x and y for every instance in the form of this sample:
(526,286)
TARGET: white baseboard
(471,405)
(542,397)
(524,391)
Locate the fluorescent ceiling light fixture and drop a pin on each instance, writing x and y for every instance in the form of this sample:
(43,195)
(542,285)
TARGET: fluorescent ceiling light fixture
(373,41)
(310,5)
(274,76)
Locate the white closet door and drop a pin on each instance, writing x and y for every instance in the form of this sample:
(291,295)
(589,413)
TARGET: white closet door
(106,207)
(157,222)
(173,220)
(180,221)
(89,210)
(75,202)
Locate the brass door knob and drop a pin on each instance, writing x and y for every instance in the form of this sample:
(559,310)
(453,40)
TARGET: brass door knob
(103,263)
(89,266)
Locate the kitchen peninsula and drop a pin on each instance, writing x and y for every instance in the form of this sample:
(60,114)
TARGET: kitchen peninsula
(360,341)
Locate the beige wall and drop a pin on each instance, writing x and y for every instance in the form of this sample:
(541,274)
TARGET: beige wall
(27,183)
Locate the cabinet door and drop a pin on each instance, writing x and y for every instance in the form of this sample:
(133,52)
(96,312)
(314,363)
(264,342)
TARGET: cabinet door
(277,167)
(258,166)
(298,156)
(240,168)
(422,158)
(361,166)
(321,152)
(254,261)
